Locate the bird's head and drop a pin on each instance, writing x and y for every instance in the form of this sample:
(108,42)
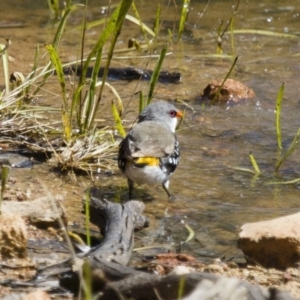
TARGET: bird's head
(162,112)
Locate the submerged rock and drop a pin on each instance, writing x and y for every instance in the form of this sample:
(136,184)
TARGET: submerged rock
(231,91)
(272,244)
(13,237)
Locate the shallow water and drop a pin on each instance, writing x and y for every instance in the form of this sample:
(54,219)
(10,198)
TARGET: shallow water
(213,197)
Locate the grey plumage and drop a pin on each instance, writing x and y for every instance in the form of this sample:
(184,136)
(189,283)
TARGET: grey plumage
(159,112)
(150,152)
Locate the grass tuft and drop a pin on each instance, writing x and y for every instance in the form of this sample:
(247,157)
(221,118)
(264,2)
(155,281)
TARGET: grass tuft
(71,135)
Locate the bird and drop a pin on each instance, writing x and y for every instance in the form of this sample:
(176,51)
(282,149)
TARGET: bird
(150,153)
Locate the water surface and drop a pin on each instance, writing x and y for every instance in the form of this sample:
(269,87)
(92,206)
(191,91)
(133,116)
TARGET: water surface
(213,197)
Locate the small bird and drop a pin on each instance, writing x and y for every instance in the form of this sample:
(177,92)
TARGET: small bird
(150,153)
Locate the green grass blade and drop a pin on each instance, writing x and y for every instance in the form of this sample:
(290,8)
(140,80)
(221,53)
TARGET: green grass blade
(117,119)
(62,24)
(183,17)
(136,20)
(90,108)
(113,26)
(34,67)
(243,169)
(61,79)
(156,25)
(77,99)
(54,8)
(180,121)
(227,75)
(66,125)
(292,147)
(142,102)
(56,40)
(122,12)
(254,163)
(191,233)
(155,74)
(111,30)
(91,24)
(182,282)
(214,56)
(116,94)
(4,177)
(219,39)
(87,217)
(75,105)
(278,114)
(232,36)
(85,270)
(293,181)
(266,33)
(170,36)
(59,71)
(86,281)
(140,23)
(3,53)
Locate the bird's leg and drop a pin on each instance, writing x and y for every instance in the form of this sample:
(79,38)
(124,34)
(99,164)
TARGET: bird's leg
(165,187)
(130,188)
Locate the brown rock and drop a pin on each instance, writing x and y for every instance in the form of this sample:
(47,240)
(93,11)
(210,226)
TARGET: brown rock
(13,237)
(232,91)
(272,244)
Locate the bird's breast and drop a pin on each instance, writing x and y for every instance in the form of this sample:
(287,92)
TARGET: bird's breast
(146,161)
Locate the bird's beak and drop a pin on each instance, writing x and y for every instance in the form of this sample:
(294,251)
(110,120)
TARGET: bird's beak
(179,114)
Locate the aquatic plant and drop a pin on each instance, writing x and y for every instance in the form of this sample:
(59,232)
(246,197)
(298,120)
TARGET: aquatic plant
(183,17)
(83,145)
(282,155)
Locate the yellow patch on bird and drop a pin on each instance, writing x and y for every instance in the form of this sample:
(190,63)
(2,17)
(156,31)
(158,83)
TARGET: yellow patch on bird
(148,161)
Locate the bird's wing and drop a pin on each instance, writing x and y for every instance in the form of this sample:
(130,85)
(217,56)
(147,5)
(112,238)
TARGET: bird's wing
(150,139)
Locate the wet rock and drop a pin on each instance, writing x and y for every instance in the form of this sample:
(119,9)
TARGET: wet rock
(38,211)
(231,288)
(231,91)
(272,244)
(13,237)
(224,288)
(28,163)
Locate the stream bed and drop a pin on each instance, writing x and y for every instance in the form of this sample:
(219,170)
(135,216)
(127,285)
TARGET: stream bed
(213,195)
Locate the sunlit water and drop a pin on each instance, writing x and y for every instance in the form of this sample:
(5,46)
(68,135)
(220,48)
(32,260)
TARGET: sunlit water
(212,195)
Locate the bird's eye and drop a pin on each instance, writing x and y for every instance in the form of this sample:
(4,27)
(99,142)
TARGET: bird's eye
(173,113)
